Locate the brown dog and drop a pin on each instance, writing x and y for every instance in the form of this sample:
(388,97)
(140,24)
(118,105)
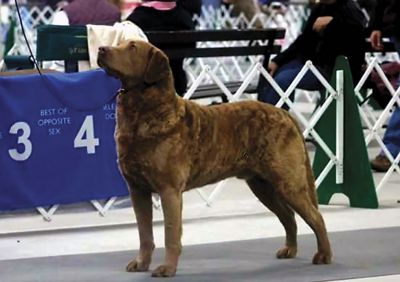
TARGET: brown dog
(168,145)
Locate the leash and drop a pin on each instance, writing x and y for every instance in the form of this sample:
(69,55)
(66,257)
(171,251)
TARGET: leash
(53,92)
(31,57)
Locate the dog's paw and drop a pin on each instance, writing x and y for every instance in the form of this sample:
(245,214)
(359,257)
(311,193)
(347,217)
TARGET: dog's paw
(322,258)
(286,252)
(137,266)
(164,271)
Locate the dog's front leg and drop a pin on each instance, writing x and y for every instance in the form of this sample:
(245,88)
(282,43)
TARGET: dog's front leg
(143,207)
(171,201)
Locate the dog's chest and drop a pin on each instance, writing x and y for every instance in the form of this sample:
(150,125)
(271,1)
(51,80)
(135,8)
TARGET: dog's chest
(136,170)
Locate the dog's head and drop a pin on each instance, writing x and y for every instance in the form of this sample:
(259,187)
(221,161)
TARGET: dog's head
(134,62)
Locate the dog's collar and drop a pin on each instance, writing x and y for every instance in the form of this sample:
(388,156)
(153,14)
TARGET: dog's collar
(138,86)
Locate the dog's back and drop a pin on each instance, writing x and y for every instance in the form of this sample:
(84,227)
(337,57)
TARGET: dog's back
(236,139)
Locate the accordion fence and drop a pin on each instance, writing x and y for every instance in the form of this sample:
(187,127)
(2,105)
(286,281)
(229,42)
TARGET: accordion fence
(330,164)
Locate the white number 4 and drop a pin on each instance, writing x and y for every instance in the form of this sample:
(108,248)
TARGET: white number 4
(85,136)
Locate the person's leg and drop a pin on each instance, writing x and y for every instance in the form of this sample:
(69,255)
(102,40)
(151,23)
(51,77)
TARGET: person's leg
(392,134)
(284,77)
(392,142)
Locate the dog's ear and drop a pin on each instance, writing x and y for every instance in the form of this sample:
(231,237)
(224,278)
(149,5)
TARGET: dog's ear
(157,66)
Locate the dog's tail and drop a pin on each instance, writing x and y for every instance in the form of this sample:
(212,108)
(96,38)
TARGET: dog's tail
(310,175)
(311,181)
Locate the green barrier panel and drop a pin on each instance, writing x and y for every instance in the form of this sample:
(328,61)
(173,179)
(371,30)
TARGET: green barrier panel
(57,42)
(358,184)
(10,37)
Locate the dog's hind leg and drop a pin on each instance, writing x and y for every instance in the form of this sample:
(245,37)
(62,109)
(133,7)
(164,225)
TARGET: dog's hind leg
(270,198)
(143,207)
(302,203)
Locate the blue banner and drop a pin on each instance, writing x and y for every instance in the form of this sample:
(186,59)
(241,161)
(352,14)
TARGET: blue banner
(57,139)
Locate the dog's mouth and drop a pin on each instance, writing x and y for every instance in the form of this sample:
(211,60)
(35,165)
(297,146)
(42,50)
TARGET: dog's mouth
(102,63)
(111,72)
(107,69)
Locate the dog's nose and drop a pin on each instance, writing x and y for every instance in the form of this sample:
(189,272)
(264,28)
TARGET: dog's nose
(103,50)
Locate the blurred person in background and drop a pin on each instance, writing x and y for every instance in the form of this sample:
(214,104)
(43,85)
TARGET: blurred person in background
(249,8)
(212,3)
(334,27)
(386,23)
(192,6)
(168,16)
(368,6)
(56,4)
(83,12)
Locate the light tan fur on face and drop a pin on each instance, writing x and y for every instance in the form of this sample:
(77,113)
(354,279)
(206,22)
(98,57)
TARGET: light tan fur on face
(168,145)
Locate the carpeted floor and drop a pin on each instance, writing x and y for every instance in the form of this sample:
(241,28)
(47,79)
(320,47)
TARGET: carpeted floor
(357,254)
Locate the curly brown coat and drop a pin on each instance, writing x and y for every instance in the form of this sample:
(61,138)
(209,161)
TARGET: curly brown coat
(168,145)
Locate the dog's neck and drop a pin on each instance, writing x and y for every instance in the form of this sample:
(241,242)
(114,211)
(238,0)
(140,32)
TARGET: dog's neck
(148,96)
(129,85)
(156,105)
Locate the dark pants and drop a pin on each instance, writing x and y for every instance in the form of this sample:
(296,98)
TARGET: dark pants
(392,134)
(284,77)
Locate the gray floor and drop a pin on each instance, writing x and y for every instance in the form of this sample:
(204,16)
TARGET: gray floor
(358,254)
(234,239)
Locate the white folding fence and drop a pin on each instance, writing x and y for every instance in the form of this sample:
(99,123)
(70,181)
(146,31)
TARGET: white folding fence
(248,69)
(336,158)
(235,68)
(31,18)
(308,123)
(375,125)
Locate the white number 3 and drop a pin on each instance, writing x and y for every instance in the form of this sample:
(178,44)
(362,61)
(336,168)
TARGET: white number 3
(89,142)
(23,139)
